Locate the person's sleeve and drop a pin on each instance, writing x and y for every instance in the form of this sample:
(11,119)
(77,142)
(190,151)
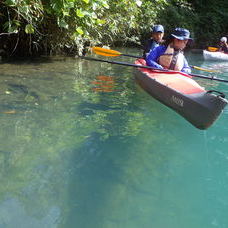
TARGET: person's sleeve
(151,59)
(186,68)
(154,45)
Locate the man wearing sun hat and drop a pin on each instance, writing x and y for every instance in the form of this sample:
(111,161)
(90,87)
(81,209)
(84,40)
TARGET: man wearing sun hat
(170,54)
(223,46)
(157,33)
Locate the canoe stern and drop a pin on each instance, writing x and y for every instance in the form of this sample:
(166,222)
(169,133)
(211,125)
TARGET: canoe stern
(200,109)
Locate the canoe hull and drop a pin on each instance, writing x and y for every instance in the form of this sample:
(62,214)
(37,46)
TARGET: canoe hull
(216,56)
(200,109)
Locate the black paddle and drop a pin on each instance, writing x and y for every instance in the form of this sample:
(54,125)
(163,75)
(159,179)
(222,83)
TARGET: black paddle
(113,53)
(148,67)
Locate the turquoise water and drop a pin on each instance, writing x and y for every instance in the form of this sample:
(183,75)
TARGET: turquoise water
(82,145)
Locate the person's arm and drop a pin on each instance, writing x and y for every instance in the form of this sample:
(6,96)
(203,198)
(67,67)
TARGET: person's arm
(152,57)
(186,68)
(219,46)
(222,47)
(153,45)
(225,47)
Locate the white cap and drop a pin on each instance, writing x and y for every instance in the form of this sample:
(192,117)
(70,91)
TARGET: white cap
(223,39)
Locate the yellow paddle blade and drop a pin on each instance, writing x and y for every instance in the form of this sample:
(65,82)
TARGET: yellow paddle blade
(203,69)
(212,49)
(105,51)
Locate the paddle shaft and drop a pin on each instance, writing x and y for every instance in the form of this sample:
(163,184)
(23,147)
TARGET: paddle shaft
(133,56)
(113,53)
(194,67)
(151,68)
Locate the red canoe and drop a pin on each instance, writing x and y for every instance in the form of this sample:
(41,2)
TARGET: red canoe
(182,94)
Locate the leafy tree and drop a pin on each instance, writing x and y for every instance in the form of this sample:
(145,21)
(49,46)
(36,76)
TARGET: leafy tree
(58,26)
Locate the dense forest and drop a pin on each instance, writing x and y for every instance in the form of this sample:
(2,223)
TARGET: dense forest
(49,27)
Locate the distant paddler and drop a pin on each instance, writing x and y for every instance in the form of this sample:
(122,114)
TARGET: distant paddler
(223,46)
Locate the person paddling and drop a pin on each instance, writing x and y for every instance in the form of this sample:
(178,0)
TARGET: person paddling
(157,34)
(223,46)
(170,55)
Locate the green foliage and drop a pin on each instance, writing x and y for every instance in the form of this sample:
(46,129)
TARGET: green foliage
(23,13)
(179,14)
(210,23)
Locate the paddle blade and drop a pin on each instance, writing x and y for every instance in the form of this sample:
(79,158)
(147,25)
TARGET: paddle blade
(105,51)
(212,49)
(203,69)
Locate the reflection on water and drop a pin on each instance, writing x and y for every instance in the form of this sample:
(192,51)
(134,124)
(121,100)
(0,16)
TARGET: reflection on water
(104,84)
(83,146)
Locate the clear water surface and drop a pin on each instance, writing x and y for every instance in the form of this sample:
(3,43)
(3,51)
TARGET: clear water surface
(83,146)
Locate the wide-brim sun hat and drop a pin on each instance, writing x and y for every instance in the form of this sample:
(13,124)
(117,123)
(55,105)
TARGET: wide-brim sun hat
(223,39)
(181,34)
